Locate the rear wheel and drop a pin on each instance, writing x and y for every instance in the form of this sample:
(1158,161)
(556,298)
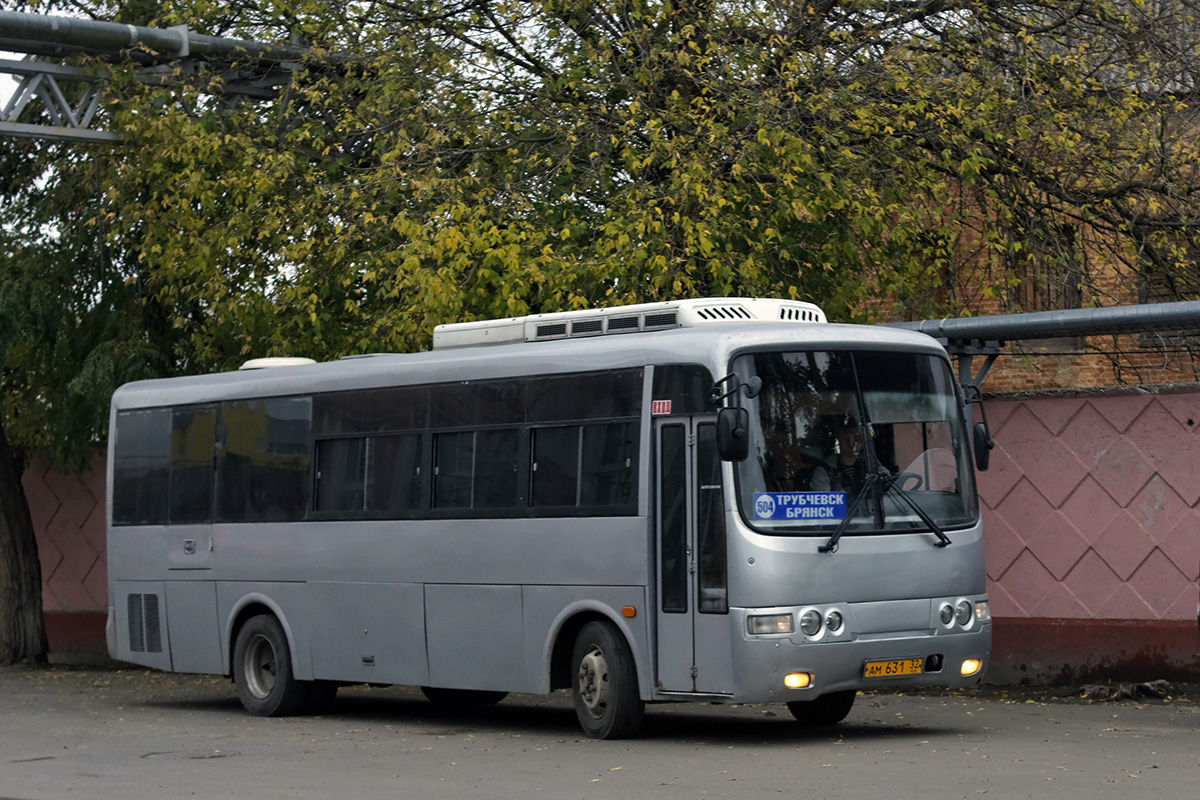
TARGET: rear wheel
(828,709)
(462,697)
(605,683)
(262,670)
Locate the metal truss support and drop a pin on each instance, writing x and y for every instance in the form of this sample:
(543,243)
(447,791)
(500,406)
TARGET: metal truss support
(68,121)
(50,100)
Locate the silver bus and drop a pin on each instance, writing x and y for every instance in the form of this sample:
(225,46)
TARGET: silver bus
(723,500)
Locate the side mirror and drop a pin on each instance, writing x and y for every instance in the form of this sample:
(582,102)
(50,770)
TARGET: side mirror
(733,434)
(983,446)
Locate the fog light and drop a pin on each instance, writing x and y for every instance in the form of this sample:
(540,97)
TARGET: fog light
(810,622)
(797,680)
(970,667)
(770,623)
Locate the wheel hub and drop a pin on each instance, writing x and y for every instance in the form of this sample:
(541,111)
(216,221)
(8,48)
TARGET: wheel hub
(261,667)
(593,681)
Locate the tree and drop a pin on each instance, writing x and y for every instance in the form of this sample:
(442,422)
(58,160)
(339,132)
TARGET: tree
(74,324)
(435,160)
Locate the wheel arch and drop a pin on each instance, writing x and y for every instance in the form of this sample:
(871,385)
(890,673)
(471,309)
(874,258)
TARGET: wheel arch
(253,605)
(566,629)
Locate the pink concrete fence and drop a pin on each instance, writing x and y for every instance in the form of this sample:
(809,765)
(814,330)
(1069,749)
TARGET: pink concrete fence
(68,518)
(1092,515)
(1093,534)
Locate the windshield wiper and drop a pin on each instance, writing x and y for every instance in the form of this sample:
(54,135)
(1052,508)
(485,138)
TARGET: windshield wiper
(867,486)
(890,480)
(881,475)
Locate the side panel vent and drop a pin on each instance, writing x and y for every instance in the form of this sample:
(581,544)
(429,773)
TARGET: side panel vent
(145,623)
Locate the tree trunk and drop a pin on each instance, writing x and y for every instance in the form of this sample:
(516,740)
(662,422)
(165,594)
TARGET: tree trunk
(22,627)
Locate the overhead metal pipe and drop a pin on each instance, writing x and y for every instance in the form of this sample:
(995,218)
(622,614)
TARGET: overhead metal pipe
(55,35)
(1069,322)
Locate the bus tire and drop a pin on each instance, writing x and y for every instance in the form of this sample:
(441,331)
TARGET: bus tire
(605,683)
(262,670)
(828,709)
(462,697)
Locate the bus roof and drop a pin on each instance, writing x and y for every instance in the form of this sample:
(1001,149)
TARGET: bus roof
(711,345)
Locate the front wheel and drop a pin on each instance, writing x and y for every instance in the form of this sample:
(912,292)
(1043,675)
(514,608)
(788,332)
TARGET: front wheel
(605,683)
(262,670)
(828,709)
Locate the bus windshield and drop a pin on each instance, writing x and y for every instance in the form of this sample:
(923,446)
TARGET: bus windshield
(825,420)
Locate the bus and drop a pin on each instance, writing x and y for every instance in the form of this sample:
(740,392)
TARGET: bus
(729,500)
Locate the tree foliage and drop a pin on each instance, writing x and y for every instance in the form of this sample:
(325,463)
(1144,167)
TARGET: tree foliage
(441,160)
(436,161)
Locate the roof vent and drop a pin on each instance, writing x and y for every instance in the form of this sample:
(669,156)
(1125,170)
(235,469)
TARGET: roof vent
(556,330)
(625,319)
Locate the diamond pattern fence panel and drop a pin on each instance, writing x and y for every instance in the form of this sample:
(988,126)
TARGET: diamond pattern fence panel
(68,520)
(1092,507)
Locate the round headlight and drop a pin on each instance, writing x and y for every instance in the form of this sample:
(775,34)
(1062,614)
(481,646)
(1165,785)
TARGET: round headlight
(810,622)
(946,614)
(833,621)
(963,613)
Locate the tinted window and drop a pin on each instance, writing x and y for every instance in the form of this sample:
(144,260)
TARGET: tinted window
(555,467)
(394,480)
(457,405)
(607,464)
(341,474)
(585,396)
(262,472)
(453,462)
(372,410)
(141,467)
(712,566)
(672,519)
(193,435)
(496,473)
(688,388)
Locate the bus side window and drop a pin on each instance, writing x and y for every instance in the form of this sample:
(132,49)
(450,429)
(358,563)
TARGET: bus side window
(141,467)
(193,437)
(262,472)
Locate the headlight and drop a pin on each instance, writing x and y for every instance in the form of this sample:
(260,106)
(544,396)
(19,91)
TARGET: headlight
(964,613)
(810,622)
(770,623)
(946,614)
(833,621)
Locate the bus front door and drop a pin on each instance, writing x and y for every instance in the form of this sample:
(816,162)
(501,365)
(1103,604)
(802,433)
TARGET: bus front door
(693,622)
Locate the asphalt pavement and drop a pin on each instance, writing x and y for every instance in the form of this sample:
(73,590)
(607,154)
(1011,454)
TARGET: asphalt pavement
(71,732)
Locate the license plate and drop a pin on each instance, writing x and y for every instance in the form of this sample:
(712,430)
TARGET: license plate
(887,669)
